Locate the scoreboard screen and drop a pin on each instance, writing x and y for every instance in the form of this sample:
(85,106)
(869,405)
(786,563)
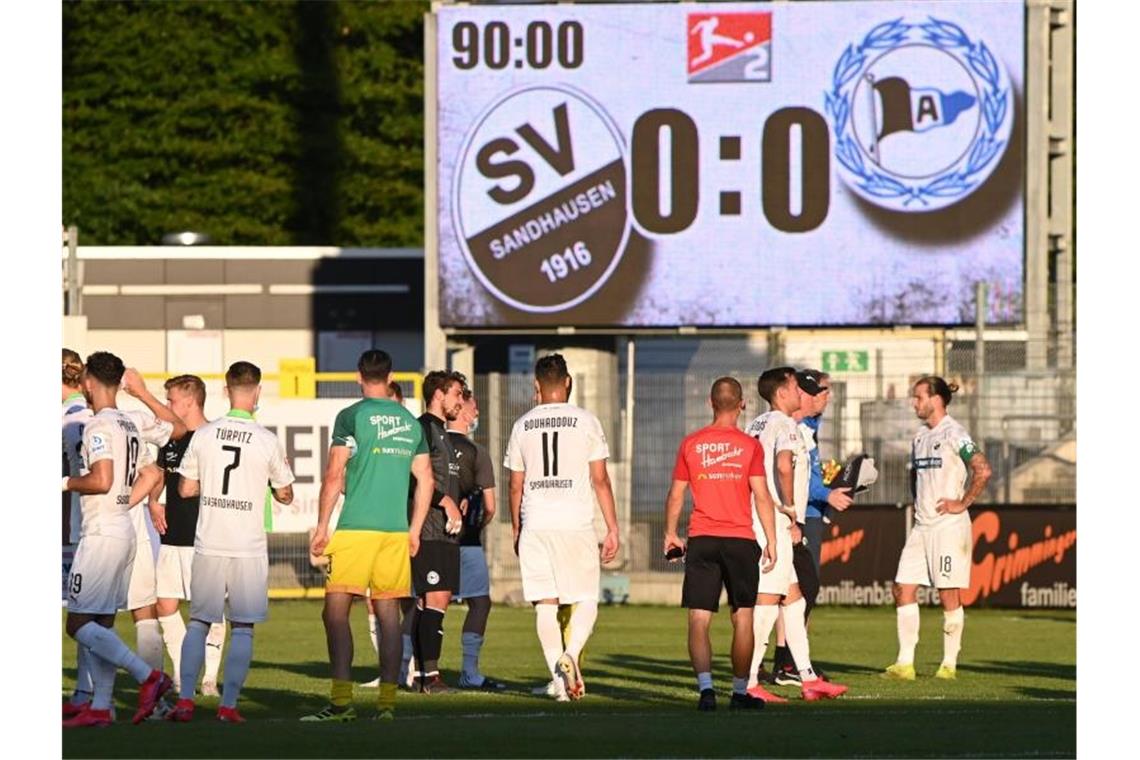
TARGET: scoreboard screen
(729,165)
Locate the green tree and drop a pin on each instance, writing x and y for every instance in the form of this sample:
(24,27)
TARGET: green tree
(257,123)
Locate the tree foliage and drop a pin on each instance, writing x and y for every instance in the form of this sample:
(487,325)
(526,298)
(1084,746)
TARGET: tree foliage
(258,123)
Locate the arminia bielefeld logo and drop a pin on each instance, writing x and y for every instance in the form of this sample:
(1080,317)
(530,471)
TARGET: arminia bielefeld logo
(921,113)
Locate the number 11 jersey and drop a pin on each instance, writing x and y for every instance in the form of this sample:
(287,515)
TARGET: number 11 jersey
(553,445)
(233,459)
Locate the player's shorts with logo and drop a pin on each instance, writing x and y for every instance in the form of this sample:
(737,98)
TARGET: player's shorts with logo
(100,575)
(245,580)
(780,578)
(173,573)
(560,564)
(713,563)
(474,580)
(142,592)
(369,561)
(436,567)
(937,555)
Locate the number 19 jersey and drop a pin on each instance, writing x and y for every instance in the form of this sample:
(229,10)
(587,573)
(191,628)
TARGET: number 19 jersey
(553,445)
(233,459)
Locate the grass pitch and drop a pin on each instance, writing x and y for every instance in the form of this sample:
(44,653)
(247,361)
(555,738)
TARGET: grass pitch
(1015,695)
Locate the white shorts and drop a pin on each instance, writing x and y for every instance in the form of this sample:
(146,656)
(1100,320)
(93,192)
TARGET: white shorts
(99,575)
(937,556)
(173,571)
(244,579)
(68,558)
(473,577)
(560,564)
(141,592)
(781,577)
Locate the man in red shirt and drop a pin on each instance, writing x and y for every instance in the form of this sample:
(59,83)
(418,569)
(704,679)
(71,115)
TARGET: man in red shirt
(725,470)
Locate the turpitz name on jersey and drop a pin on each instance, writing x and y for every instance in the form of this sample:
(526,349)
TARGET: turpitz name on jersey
(238,436)
(550,422)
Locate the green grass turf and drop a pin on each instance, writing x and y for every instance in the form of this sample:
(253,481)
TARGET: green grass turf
(1015,695)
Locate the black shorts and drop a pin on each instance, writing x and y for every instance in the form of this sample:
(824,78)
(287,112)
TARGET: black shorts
(711,563)
(436,568)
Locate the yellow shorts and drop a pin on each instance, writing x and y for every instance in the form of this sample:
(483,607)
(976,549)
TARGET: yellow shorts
(369,560)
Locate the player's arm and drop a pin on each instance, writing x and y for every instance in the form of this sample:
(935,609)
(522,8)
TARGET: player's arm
(766,512)
(98,480)
(146,481)
(515,494)
(156,507)
(785,472)
(421,499)
(488,505)
(134,384)
(188,486)
(280,475)
(604,491)
(485,479)
(332,484)
(980,472)
(674,502)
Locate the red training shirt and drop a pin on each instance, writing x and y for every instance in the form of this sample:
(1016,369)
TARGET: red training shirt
(716,462)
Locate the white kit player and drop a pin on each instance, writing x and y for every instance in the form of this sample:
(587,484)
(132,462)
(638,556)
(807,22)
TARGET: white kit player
(557,457)
(227,465)
(118,473)
(787,466)
(76,413)
(937,551)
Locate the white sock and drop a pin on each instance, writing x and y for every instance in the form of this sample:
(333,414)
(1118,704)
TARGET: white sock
(372,633)
(763,618)
(106,644)
(908,620)
(582,621)
(953,623)
(173,631)
(103,674)
(148,638)
(739,685)
(549,634)
(406,657)
(237,664)
(193,653)
(214,641)
(795,633)
(472,645)
(704,681)
(84,684)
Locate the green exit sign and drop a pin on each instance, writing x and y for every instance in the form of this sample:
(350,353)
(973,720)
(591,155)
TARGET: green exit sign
(846,361)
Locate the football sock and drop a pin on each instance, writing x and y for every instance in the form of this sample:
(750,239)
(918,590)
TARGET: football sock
(237,664)
(173,631)
(406,659)
(103,675)
(429,631)
(106,644)
(472,644)
(704,681)
(549,634)
(953,623)
(387,698)
(341,693)
(193,653)
(149,640)
(214,641)
(84,683)
(795,632)
(581,626)
(372,633)
(739,685)
(783,657)
(908,632)
(763,618)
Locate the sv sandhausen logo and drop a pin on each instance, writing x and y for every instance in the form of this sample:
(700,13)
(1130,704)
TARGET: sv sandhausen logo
(921,113)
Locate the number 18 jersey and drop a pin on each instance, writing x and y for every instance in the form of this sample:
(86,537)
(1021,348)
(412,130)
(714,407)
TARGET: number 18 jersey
(233,459)
(553,445)
(112,434)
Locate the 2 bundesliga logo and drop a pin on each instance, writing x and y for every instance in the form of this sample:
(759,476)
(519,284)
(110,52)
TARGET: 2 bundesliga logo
(729,47)
(921,114)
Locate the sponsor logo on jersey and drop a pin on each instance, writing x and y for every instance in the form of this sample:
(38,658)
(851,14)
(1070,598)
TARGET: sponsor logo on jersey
(729,47)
